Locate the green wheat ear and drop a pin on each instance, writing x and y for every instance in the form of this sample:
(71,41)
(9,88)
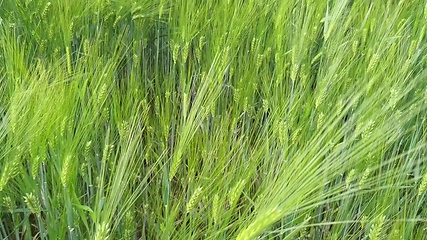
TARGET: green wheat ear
(102,231)
(350,179)
(9,204)
(364,178)
(68,54)
(87,150)
(33,203)
(377,228)
(423,185)
(175,164)
(11,170)
(45,10)
(66,170)
(35,166)
(216,208)
(235,192)
(265,219)
(102,94)
(129,225)
(194,199)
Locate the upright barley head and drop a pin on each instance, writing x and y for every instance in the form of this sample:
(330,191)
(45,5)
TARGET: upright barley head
(191,204)
(33,203)
(377,228)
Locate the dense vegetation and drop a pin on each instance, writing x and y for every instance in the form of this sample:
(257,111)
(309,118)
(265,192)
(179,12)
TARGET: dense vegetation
(232,119)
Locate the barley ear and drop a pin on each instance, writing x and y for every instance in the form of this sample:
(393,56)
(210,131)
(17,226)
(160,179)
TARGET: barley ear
(350,179)
(35,166)
(102,231)
(377,229)
(235,192)
(215,208)
(423,185)
(194,199)
(66,170)
(68,53)
(262,222)
(129,225)
(9,204)
(364,178)
(33,203)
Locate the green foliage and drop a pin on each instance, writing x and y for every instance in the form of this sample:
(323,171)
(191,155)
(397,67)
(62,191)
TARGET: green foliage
(161,119)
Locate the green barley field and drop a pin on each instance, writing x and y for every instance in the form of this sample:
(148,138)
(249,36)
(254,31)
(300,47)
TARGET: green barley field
(213,119)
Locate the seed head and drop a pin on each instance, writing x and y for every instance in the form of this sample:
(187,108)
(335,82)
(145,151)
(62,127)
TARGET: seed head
(253,44)
(86,46)
(283,132)
(129,225)
(317,57)
(45,10)
(235,192)
(376,229)
(369,127)
(11,170)
(102,94)
(116,21)
(265,219)
(320,97)
(236,96)
(294,72)
(350,179)
(175,164)
(373,62)
(9,204)
(329,32)
(102,231)
(87,150)
(354,46)
(194,199)
(364,221)
(423,185)
(215,209)
(225,57)
(35,166)
(265,105)
(66,170)
(185,52)
(68,53)
(422,33)
(364,177)
(364,35)
(259,59)
(106,114)
(175,52)
(245,104)
(394,98)
(33,203)
(320,120)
